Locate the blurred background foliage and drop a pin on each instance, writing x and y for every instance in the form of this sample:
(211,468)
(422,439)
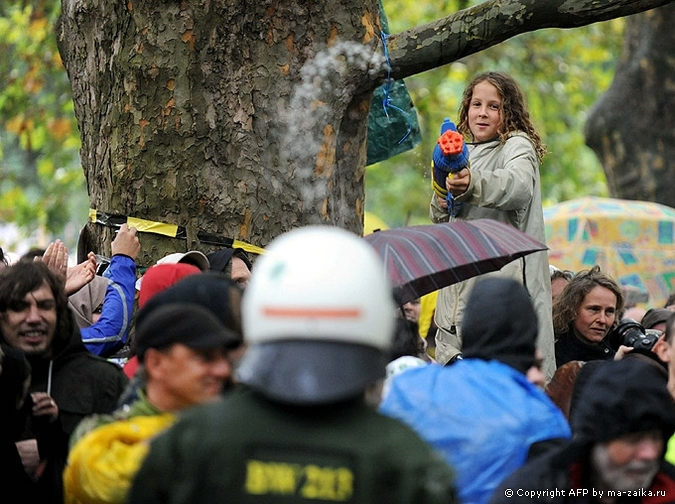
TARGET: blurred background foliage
(561,73)
(42,187)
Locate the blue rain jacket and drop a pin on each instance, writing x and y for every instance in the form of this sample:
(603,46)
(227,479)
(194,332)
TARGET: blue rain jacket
(483,416)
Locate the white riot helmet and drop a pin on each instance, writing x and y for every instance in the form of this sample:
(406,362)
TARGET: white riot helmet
(318,316)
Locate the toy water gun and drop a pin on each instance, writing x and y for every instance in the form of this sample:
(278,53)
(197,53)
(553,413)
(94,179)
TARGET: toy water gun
(450,156)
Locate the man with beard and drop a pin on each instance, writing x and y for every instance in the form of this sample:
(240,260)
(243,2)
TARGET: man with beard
(182,349)
(621,419)
(67,382)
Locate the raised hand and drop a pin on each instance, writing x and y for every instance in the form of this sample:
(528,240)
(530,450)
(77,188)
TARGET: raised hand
(126,242)
(56,258)
(81,274)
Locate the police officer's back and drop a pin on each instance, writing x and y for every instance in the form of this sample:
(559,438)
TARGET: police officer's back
(318,318)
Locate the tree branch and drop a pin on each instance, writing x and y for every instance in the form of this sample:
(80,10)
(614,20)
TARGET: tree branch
(477,28)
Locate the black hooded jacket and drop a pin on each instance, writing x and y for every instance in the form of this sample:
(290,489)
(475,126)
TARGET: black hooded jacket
(81,384)
(500,324)
(618,397)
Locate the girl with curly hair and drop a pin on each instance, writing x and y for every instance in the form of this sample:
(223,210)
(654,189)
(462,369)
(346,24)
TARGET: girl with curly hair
(502,183)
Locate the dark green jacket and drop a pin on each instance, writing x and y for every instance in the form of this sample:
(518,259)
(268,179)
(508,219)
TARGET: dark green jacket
(247,449)
(140,407)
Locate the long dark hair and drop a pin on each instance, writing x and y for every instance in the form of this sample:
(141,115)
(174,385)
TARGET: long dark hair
(26,276)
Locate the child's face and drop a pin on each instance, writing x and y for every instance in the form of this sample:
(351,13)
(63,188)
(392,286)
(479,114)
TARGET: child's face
(484,112)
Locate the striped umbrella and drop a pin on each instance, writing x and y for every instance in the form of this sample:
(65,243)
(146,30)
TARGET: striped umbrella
(422,259)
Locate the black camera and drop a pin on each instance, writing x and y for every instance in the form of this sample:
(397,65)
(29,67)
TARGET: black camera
(632,334)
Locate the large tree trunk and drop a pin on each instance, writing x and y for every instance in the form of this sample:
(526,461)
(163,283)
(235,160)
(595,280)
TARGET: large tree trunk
(245,119)
(631,127)
(194,113)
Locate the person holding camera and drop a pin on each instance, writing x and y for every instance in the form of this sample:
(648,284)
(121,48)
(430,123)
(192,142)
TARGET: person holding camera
(644,339)
(583,316)
(628,339)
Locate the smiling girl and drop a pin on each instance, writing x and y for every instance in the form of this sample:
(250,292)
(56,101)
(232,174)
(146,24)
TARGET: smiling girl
(501,183)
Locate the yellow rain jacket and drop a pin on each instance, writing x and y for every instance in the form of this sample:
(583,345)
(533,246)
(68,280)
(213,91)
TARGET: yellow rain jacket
(103,463)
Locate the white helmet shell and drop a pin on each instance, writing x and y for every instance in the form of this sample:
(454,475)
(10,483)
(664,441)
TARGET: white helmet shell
(319,283)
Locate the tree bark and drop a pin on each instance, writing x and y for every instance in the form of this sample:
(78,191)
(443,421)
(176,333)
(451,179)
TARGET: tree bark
(246,119)
(189,113)
(631,126)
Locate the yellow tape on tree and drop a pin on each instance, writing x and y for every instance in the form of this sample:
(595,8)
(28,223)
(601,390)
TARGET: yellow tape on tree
(152,227)
(170,230)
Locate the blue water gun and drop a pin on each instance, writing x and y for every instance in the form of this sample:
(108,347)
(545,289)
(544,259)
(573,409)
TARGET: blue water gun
(450,156)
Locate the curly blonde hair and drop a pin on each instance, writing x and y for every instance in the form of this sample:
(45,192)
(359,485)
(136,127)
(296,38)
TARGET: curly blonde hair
(513,111)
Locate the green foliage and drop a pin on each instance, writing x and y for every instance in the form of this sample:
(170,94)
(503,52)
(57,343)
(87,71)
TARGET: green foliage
(561,72)
(42,186)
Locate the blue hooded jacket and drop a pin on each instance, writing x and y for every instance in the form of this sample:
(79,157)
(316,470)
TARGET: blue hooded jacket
(110,333)
(481,413)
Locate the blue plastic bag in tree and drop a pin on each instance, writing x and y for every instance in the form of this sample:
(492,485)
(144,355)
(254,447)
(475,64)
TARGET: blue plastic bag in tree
(393,126)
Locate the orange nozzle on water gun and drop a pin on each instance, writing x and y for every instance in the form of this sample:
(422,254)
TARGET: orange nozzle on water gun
(451,143)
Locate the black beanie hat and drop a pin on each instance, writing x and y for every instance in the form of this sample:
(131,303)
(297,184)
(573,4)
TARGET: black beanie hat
(500,324)
(189,324)
(221,258)
(620,397)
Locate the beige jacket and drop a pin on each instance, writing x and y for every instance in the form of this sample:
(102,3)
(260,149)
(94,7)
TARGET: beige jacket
(505,186)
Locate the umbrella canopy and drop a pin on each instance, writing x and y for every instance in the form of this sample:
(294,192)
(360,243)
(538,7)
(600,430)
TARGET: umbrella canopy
(422,259)
(633,241)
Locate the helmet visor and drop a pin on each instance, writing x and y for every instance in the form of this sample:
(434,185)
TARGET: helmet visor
(311,372)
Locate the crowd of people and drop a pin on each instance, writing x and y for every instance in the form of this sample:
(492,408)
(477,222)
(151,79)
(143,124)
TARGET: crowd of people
(299,377)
